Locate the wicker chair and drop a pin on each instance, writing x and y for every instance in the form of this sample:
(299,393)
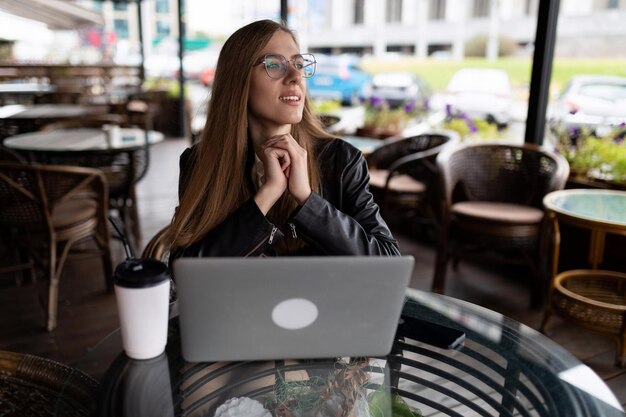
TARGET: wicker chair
(8,155)
(123,169)
(38,387)
(493,201)
(403,176)
(47,210)
(20,261)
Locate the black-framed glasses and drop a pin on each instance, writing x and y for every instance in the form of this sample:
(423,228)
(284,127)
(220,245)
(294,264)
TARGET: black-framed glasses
(277,66)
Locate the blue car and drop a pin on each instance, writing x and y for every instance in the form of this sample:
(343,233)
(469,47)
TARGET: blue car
(339,77)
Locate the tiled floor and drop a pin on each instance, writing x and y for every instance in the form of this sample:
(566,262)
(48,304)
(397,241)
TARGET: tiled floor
(87,313)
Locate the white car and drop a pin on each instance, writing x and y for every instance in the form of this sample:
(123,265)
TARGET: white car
(399,88)
(595,102)
(481,93)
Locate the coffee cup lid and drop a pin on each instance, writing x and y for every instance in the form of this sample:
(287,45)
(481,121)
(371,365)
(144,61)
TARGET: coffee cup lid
(140,273)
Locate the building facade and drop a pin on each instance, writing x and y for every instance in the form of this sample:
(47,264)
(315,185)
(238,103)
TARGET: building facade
(423,27)
(586,28)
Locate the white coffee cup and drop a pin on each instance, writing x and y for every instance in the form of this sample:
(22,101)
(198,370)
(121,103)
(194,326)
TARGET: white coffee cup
(142,289)
(112,135)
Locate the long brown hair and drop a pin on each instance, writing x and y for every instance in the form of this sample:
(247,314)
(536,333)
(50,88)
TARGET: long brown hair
(217,184)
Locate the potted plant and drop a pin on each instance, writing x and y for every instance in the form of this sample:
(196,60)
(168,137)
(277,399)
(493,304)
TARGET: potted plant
(382,120)
(467,127)
(593,159)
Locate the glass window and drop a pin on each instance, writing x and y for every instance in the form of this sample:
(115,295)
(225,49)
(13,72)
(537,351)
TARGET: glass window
(162,28)
(121,28)
(162,6)
(359,12)
(394,11)
(587,118)
(437,9)
(481,8)
(120,6)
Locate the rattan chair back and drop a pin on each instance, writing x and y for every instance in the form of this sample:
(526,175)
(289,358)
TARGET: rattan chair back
(520,174)
(35,386)
(46,209)
(404,177)
(395,148)
(8,155)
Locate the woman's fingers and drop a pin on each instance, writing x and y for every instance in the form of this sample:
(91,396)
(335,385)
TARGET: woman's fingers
(298,175)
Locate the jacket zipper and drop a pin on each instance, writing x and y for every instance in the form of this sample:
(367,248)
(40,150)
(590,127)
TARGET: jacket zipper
(293,230)
(269,241)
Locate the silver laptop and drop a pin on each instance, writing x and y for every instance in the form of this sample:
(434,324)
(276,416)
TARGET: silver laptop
(234,309)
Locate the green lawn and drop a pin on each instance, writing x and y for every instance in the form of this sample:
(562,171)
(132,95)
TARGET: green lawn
(438,72)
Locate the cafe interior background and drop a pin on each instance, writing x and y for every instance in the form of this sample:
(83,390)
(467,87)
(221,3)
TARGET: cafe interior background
(130,58)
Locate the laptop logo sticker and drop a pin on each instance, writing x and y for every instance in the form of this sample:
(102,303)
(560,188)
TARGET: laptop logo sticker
(294,313)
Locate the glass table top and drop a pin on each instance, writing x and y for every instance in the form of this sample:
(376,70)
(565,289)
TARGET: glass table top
(603,206)
(81,139)
(502,368)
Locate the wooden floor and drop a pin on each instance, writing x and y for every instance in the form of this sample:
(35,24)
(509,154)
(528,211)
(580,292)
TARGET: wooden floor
(87,313)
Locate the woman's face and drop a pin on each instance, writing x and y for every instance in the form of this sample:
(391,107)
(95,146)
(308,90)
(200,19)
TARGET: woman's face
(275,104)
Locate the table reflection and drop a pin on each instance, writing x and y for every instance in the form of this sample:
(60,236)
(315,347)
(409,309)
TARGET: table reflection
(503,369)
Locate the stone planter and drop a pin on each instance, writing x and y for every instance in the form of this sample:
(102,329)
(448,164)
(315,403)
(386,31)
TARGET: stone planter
(377,132)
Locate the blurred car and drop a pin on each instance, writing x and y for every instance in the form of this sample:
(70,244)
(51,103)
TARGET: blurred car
(339,77)
(161,66)
(196,63)
(481,93)
(595,102)
(398,88)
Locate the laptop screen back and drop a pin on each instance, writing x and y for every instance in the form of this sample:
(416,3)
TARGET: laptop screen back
(289,307)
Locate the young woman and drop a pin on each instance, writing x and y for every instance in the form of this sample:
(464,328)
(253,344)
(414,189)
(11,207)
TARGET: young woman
(265,178)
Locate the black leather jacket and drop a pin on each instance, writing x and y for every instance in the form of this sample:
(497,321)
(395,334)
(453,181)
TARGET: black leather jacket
(344,220)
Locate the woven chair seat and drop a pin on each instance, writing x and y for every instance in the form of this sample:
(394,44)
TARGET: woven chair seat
(498,212)
(73,211)
(400,183)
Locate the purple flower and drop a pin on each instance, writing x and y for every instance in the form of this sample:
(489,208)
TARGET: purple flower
(575,132)
(449,114)
(471,125)
(377,102)
(409,106)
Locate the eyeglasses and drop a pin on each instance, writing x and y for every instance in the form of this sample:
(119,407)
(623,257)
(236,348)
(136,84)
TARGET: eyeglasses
(277,66)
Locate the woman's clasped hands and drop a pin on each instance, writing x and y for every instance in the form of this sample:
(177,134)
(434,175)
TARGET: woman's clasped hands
(285,164)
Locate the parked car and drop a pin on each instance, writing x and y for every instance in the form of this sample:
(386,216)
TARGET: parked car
(595,102)
(339,77)
(481,93)
(398,88)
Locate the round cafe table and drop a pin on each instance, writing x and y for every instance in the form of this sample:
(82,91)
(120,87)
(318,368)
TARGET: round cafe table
(503,368)
(591,298)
